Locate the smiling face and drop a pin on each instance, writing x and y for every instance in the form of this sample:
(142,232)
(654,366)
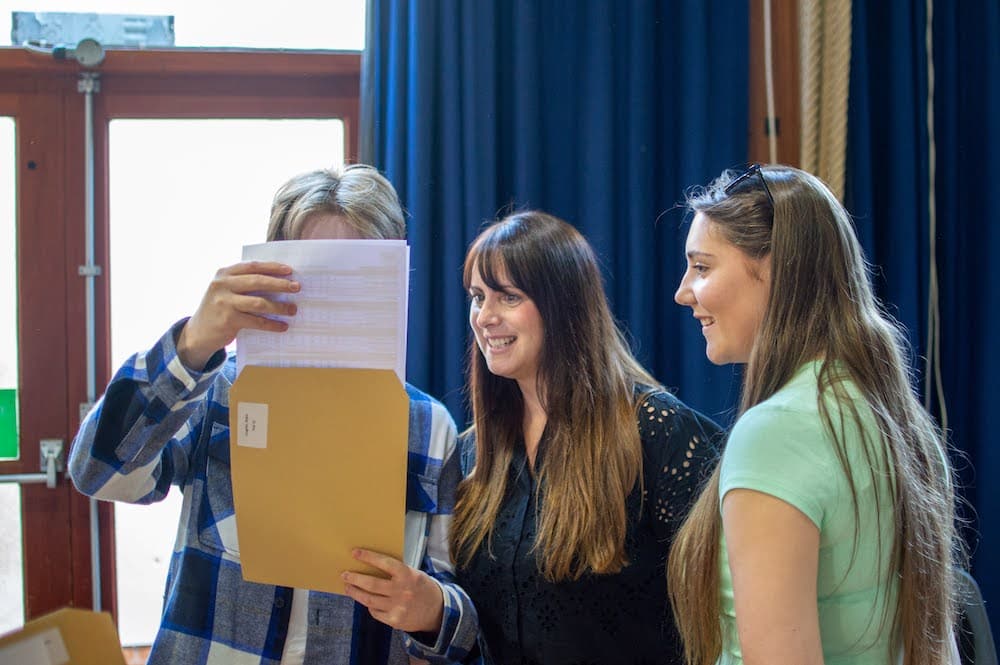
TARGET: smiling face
(726,290)
(508,329)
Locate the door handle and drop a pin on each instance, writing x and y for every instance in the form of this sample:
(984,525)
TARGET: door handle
(51,462)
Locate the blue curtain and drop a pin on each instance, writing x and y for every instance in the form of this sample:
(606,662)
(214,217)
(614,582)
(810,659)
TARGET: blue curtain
(599,111)
(603,111)
(888,190)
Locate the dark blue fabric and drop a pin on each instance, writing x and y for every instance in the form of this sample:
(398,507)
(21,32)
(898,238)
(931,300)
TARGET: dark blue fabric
(888,190)
(599,111)
(602,112)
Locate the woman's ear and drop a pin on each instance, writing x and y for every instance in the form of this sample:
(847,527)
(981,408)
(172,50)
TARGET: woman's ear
(760,269)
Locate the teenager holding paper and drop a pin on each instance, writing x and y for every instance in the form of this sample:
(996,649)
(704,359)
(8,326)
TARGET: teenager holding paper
(164,420)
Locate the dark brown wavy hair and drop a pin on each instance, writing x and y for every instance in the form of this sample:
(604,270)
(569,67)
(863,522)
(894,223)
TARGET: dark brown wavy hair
(589,385)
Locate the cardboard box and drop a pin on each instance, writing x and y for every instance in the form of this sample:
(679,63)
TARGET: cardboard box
(69,636)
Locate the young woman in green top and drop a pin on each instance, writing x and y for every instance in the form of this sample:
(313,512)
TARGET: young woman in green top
(827,534)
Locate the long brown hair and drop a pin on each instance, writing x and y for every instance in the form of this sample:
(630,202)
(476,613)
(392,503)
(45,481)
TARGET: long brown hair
(821,305)
(589,384)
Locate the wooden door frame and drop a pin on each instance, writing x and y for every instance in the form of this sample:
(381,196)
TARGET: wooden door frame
(53,552)
(787,96)
(42,95)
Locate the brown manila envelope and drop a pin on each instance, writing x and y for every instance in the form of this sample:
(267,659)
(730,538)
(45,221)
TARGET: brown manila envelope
(319,468)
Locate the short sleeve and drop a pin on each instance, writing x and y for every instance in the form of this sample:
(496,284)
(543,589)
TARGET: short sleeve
(784,453)
(680,445)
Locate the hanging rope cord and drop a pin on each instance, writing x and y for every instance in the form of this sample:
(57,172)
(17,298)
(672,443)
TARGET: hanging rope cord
(772,133)
(825,57)
(825,30)
(810,62)
(932,367)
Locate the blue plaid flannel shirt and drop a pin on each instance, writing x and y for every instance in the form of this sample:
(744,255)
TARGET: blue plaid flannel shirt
(160,424)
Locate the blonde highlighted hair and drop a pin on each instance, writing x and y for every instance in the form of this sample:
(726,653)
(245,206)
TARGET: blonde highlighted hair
(822,306)
(358,193)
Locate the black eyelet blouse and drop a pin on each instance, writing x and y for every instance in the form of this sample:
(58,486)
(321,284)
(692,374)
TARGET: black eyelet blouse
(615,619)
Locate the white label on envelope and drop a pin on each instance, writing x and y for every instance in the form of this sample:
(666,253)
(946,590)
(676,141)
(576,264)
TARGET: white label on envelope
(252,425)
(45,648)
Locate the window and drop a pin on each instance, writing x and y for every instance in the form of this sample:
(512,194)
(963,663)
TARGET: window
(160,117)
(294,24)
(200,213)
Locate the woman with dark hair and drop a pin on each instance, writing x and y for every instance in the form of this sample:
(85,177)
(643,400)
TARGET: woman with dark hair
(579,464)
(827,534)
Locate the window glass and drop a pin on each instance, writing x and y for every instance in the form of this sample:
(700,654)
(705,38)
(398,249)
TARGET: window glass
(8,294)
(11,556)
(291,24)
(185,196)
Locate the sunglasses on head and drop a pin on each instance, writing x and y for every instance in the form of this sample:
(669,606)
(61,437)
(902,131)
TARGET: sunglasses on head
(747,177)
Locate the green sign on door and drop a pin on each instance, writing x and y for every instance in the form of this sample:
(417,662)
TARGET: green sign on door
(8,423)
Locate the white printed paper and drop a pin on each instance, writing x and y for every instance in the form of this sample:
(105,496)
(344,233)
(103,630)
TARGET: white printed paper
(351,308)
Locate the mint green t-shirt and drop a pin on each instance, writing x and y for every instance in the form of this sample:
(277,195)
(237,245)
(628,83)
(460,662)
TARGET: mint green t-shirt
(781,447)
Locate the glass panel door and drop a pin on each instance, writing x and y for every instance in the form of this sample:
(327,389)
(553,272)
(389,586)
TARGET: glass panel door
(11,555)
(8,294)
(185,196)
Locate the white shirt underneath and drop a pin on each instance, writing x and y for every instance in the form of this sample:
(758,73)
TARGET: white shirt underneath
(295,642)
(294,652)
